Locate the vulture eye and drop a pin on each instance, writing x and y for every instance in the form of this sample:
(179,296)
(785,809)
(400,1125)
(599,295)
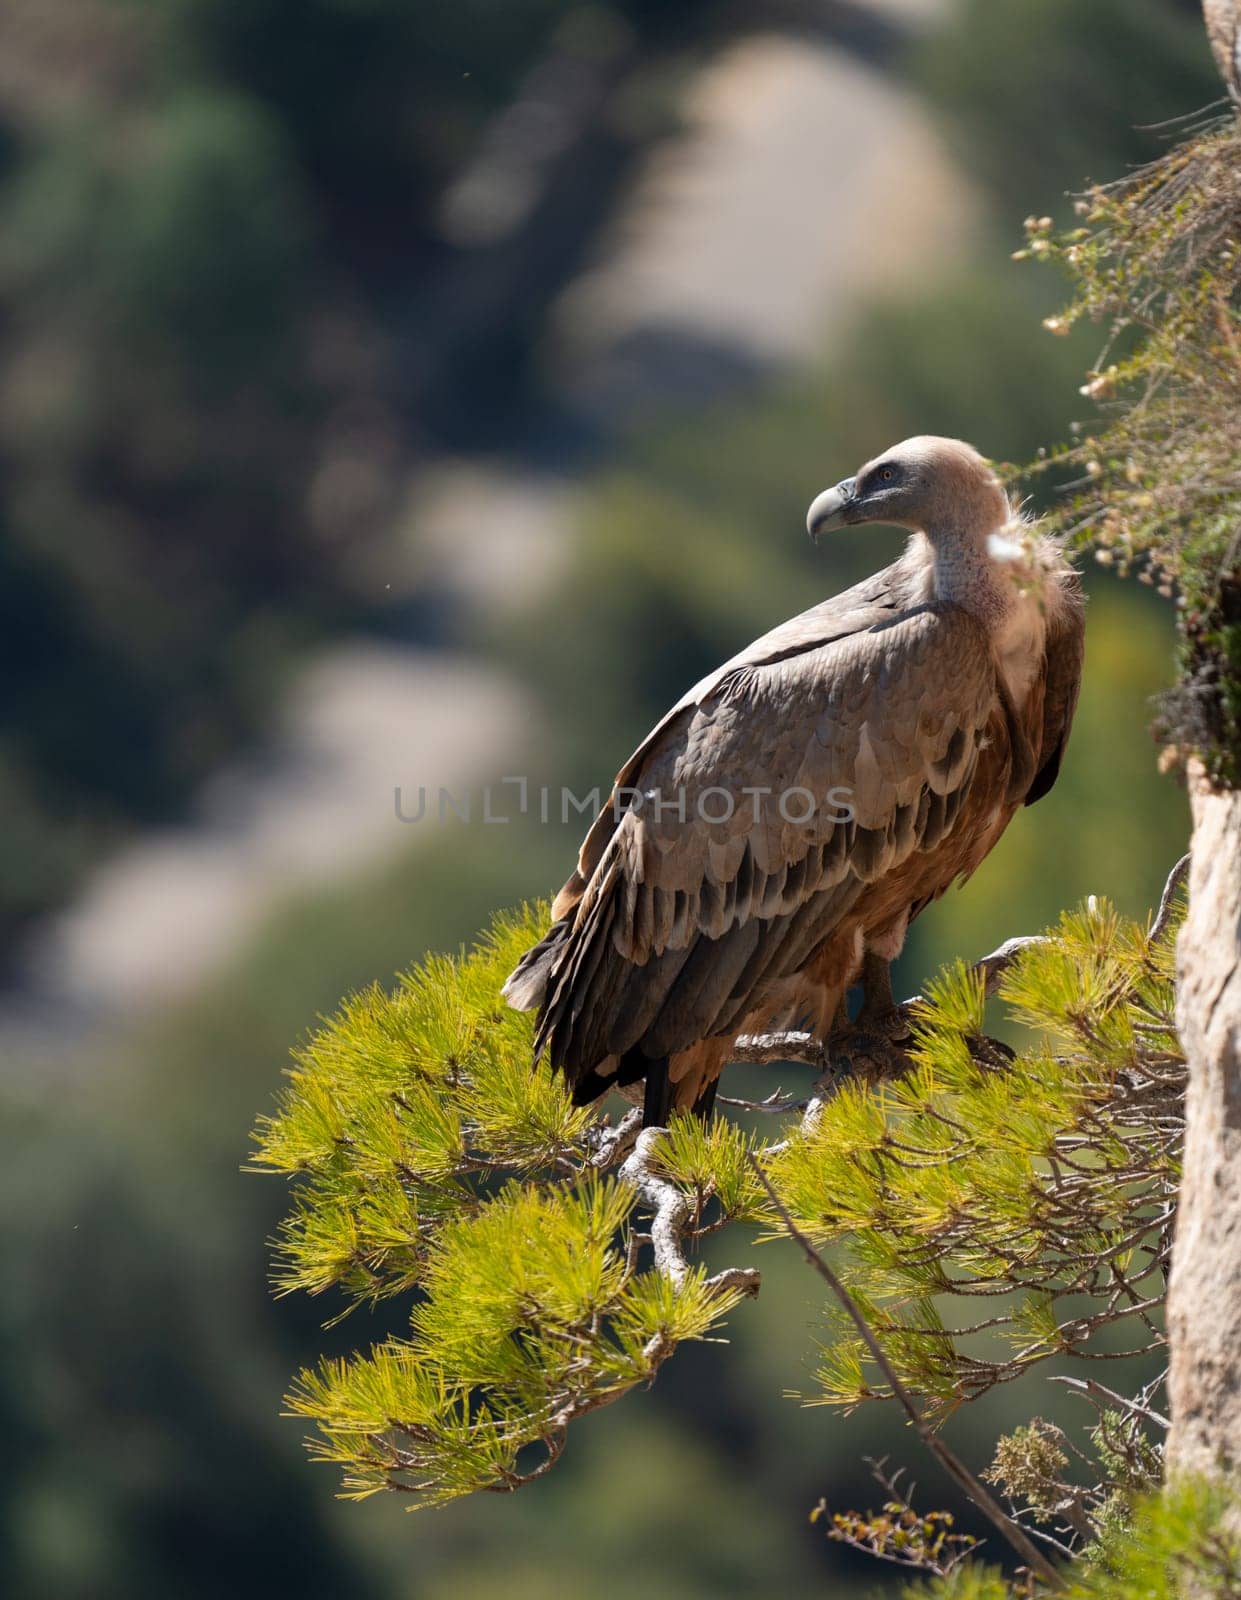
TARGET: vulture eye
(887,473)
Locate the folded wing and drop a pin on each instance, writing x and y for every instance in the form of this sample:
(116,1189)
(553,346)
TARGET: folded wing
(752,819)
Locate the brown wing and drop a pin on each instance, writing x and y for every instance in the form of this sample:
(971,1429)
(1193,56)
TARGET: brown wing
(1028,742)
(1064,654)
(880,598)
(767,806)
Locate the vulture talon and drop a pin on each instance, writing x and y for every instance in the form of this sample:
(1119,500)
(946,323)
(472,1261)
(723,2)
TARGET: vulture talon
(874,1057)
(814,795)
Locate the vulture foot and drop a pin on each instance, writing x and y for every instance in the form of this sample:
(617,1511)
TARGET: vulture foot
(876,1043)
(875,1050)
(880,1049)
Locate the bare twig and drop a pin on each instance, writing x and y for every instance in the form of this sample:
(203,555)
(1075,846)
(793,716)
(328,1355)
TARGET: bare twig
(1168,899)
(900,1534)
(1091,1387)
(947,1458)
(777,1102)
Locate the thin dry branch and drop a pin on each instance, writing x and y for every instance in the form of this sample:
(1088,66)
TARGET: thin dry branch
(1167,901)
(947,1458)
(614,1144)
(899,1534)
(1090,1386)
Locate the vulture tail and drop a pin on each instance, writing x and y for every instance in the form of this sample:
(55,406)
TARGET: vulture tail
(526,986)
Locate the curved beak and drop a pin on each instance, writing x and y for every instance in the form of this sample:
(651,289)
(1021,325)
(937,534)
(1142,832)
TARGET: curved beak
(831,509)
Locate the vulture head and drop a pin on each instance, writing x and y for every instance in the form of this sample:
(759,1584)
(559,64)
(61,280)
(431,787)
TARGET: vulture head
(940,487)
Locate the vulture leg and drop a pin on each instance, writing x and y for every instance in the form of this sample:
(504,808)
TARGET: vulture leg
(880,1027)
(657,1096)
(877,997)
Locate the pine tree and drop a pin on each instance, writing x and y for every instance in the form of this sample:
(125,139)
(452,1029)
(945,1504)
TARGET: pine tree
(988,1211)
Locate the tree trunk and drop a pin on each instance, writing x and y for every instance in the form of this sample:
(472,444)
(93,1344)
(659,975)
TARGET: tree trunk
(1224,31)
(1204,1302)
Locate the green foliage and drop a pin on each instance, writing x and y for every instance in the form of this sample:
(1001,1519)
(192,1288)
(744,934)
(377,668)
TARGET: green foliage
(402,1109)
(430,1159)
(1030,1463)
(1028,1183)
(532,1316)
(1172,1545)
(430,1156)
(1038,1467)
(712,1162)
(967,1583)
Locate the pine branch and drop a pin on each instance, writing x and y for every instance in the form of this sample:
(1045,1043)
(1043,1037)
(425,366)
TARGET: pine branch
(672,1219)
(429,1156)
(948,1459)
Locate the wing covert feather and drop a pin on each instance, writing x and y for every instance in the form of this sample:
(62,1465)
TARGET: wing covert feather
(745,795)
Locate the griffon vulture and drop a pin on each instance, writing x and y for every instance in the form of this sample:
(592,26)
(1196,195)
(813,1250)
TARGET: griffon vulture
(767,845)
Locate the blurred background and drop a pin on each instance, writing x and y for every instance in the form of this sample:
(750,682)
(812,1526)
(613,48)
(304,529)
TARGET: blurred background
(422,394)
